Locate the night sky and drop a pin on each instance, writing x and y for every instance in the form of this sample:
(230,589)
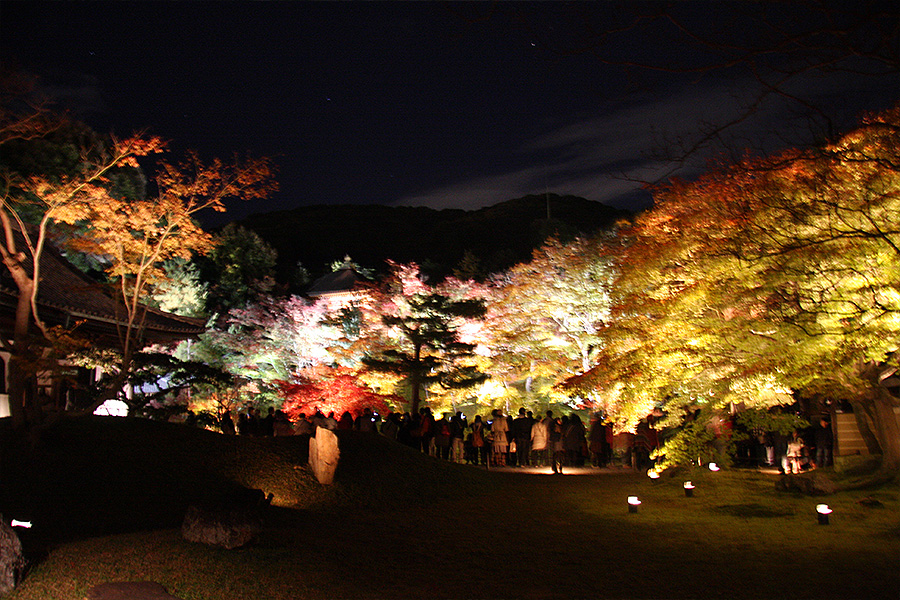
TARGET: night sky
(444,105)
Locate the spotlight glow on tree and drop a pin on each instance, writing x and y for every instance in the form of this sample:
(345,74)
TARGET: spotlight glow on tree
(771,275)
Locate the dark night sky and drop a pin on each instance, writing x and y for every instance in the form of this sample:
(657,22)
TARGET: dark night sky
(441,105)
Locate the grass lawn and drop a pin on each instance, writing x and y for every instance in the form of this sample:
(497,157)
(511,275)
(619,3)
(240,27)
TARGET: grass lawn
(107,497)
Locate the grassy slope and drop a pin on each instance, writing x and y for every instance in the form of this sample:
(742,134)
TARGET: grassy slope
(98,475)
(401,525)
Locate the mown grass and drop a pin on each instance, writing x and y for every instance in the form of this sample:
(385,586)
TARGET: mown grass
(398,524)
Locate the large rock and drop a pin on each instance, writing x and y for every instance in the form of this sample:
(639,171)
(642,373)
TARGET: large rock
(809,484)
(232,523)
(324,455)
(130,590)
(12,560)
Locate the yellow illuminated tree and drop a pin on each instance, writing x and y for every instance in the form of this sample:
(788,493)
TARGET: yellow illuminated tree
(767,277)
(546,314)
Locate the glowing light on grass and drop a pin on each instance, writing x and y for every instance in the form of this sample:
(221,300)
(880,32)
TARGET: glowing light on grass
(653,474)
(822,512)
(713,467)
(688,489)
(633,503)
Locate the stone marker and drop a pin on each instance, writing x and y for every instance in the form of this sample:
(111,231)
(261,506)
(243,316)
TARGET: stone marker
(130,590)
(222,527)
(810,484)
(324,455)
(12,561)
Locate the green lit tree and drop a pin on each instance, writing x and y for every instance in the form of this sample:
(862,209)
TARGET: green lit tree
(271,341)
(182,293)
(239,269)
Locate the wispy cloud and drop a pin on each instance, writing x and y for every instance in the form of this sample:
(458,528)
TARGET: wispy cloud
(610,155)
(604,157)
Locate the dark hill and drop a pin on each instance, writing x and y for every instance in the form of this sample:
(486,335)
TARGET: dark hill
(499,236)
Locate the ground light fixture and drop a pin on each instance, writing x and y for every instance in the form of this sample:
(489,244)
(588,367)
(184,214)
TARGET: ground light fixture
(688,489)
(822,512)
(22,524)
(713,467)
(653,474)
(633,503)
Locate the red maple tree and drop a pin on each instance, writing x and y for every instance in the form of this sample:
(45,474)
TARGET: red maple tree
(335,390)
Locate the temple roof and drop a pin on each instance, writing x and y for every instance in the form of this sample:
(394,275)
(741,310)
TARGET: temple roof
(68,297)
(341,281)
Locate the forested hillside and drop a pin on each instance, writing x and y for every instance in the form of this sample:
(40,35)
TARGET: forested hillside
(499,236)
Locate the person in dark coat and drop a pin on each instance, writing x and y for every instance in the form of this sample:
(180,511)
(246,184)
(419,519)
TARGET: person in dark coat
(346,421)
(597,445)
(574,441)
(522,431)
(479,442)
(267,423)
(555,441)
(824,440)
(243,424)
(226,424)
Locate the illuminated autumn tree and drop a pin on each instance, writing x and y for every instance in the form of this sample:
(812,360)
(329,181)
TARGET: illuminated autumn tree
(764,278)
(338,390)
(137,238)
(272,341)
(423,333)
(826,240)
(133,235)
(546,314)
(29,205)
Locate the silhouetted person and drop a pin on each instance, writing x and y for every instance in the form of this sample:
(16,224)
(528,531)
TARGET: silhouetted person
(824,440)
(522,432)
(226,424)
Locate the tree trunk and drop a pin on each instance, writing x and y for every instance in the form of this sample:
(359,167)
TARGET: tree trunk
(876,406)
(17,386)
(415,380)
(863,418)
(887,431)
(17,389)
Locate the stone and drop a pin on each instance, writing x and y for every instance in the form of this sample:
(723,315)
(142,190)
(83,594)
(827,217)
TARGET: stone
(323,455)
(808,484)
(12,560)
(870,502)
(232,523)
(130,590)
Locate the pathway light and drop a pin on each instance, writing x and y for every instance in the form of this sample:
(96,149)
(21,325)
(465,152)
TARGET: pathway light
(633,503)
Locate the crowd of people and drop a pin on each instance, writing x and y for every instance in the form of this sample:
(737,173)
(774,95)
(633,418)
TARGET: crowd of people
(523,440)
(528,440)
